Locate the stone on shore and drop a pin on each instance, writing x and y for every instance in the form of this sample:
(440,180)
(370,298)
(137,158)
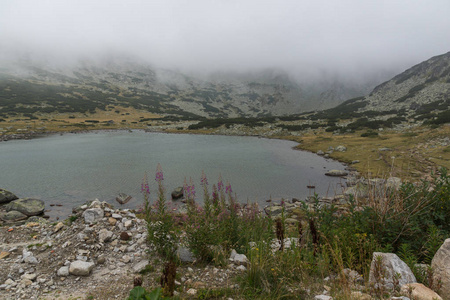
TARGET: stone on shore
(13,216)
(81,268)
(27,206)
(93,215)
(6,196)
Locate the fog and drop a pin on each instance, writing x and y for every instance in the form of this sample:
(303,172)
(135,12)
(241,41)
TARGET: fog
(306,38)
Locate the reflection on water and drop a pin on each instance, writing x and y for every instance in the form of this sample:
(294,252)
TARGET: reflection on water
(73,168)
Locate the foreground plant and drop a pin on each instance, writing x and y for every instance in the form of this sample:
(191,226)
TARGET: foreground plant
(161,232)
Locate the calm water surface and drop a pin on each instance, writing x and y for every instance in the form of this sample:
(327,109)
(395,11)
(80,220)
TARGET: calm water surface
(73,168)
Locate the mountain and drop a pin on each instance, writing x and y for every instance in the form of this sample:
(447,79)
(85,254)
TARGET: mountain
(422,92)
(30,86)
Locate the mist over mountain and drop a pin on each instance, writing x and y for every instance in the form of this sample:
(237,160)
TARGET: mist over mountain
(114,79)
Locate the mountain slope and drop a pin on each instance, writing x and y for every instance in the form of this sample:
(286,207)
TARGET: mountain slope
(419,91)
(87,85)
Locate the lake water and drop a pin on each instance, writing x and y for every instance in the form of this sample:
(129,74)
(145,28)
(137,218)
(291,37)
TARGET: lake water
(72,168)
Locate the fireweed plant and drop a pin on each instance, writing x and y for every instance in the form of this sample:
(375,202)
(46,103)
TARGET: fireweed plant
(412,221)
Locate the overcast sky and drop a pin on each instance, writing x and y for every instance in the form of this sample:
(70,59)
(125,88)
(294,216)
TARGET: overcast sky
(301,35)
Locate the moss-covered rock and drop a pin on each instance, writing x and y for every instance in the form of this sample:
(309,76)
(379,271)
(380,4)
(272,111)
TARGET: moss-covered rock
(27,206)
(6,196)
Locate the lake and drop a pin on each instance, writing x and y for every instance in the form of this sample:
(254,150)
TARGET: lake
(69,169)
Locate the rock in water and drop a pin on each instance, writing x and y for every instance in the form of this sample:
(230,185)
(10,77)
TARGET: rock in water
(336,173)
(177,193)
(6,196)
(27,206)
(123,198)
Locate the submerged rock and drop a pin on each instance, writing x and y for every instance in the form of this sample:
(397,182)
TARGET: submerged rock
(177,193)
(336,173)
(27,206)
(123,198)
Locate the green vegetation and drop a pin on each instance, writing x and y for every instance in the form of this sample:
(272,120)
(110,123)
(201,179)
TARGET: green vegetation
(214,123)
(286,260)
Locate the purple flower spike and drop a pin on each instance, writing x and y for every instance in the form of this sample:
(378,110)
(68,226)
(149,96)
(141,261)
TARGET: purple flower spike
(228,189)
(220,183)
(204,180)
(159,173)
(144,185)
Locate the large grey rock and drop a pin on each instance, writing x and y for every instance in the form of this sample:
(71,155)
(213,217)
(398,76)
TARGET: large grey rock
(81,268)
(93,215)
(336,173)
(27,206)
(441,267)
(391,265)
(13,216)
(6,196)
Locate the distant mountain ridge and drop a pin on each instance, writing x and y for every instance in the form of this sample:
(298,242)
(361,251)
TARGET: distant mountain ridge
(87,85)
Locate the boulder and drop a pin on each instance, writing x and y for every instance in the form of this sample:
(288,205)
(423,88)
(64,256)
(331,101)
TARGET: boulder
(341,148)
(418,291)
(391,265)
(123,198)
(320,152)
(274,210)
(27,206)
(441,268)
(13,216)
(81,268)
(6,196)
(177,193)
(93,215)
(336,173)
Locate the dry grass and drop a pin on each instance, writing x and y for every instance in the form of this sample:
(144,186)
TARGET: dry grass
(411,155)
(127,117)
